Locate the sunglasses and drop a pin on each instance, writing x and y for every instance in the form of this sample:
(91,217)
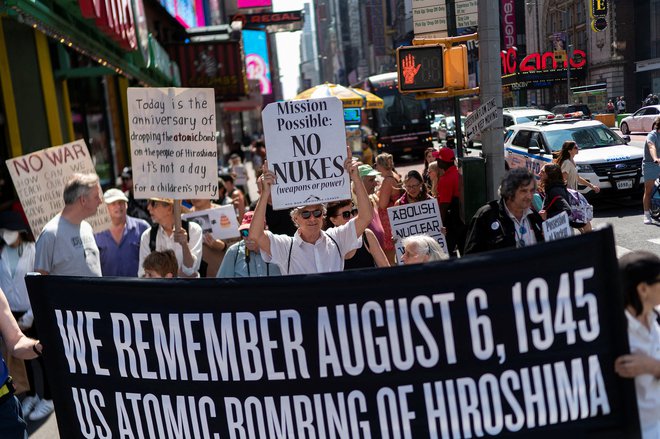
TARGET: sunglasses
(349,213)
(245,233)
(308,213)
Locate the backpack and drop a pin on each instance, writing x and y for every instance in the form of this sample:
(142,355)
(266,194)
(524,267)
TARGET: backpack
(581,210)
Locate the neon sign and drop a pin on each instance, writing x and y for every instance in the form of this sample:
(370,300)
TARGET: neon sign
(539,62)
(114,18)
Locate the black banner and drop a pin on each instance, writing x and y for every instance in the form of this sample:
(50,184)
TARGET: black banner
(512,343)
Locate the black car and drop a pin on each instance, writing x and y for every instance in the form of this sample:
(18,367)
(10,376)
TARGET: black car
(571,108)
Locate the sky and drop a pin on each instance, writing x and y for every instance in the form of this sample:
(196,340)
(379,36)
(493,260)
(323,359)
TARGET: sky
(288,50)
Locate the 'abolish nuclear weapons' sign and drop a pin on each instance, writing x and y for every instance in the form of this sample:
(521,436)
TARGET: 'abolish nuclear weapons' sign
(306,148)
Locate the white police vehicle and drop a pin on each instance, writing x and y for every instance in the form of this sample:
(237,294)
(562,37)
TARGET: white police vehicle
(604,158)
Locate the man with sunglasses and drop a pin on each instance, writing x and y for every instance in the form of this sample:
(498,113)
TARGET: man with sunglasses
(310,249)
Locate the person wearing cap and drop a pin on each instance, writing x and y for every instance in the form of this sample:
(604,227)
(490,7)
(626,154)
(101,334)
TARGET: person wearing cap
(16,261)
(213,250)
(509,222)
(369,179)
(187,244)
(66,245)
(311,250)
(119,245)
(243,258)
(640,281)
(135,208)
(448,199)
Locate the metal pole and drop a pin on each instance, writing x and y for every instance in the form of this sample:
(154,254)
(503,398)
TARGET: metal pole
(451,30)
(538,49)
(490,83)
(568,60)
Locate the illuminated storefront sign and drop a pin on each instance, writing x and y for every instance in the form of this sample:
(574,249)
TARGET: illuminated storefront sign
(509,23)
(254,3)
(114,18)
(189,13)
(539,62)
(268,18)
(598,14)
(257,65)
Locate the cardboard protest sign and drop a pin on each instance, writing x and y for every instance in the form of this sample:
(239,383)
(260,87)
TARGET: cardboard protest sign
(39,179)
(219,221)
(557,227)
(173,143)
(518,343)
(418,218)
(306,148)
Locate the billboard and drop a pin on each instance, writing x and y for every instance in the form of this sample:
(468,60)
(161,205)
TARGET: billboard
(254,3)
(257,64)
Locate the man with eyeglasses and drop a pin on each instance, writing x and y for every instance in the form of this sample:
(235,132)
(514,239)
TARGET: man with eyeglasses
(186,244)
(509,222)
(311,250)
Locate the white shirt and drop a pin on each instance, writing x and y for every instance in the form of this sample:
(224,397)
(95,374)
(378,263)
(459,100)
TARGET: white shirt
(522,229)
(647,386)
(164,242)
(13,284)
(321,257)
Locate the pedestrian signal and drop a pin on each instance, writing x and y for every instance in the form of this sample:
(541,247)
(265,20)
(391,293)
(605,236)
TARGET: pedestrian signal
(420,68)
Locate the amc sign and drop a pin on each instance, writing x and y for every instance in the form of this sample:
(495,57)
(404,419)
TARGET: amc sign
(114,18)
(539,62)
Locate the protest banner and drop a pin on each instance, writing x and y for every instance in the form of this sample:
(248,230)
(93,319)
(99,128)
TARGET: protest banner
(518,343)
(219,221)
(557,227)
(306,147)
(39,179)
(173,142)
(418,218)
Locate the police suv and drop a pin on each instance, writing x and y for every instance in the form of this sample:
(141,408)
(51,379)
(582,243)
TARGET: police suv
(604,158)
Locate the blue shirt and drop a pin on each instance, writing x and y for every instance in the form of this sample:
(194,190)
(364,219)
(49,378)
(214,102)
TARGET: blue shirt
(121,259)
(236,264)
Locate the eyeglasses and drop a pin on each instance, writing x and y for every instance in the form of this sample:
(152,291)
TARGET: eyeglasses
(305,214)
(245,233)
(412,186)
(349,213)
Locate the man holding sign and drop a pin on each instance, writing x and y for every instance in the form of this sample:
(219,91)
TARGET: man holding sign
(311,250)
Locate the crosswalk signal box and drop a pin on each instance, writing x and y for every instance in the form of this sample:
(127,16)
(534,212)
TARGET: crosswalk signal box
(420,68)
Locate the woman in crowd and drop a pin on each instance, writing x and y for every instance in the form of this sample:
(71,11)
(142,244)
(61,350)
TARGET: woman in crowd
(428,159)
(421,248)
(640,276)
(389,192)
(556,196)
(566,160)
(16,261)
(433,178)
(369,254)
(415,189)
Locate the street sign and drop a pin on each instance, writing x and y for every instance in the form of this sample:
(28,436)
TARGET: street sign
(480,119)
(429,16)
(420,68)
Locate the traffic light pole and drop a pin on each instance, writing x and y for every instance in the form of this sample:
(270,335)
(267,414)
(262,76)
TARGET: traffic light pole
(452,31)
(490,84)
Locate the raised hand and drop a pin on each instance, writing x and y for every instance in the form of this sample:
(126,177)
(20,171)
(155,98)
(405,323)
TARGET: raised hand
(409,69)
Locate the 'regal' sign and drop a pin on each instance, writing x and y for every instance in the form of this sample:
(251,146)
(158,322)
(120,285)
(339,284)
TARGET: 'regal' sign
(539,61)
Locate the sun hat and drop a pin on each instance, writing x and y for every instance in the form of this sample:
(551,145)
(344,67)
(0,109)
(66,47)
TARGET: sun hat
(162,200)
(112,195)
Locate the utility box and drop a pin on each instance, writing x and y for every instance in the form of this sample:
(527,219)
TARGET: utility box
(472,186)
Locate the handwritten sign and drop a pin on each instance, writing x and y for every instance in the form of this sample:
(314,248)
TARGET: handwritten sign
(418,218)
(557,227)
(220,221)
(39,179)
(173,142)
(306,148)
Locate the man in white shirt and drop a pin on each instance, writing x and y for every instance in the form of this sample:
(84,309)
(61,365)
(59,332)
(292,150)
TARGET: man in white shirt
(187,245)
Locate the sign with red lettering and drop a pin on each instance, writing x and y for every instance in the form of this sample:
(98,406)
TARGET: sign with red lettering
(251,20)
(540,62)
(114,18)
(39,179)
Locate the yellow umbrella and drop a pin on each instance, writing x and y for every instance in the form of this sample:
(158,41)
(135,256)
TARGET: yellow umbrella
(349,97)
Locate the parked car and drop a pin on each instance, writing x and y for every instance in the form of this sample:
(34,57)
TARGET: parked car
(605,158)
(447,128)
(435,125)
(518,115)
(641,121)
(571,108)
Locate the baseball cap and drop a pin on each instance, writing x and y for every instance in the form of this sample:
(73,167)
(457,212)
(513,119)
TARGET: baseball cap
(127,172)
(112,195)
(247,220)
(367,171)
(163,200)
(445,154)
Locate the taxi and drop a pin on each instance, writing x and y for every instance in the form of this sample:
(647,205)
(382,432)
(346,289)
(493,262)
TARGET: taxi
(605,158)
